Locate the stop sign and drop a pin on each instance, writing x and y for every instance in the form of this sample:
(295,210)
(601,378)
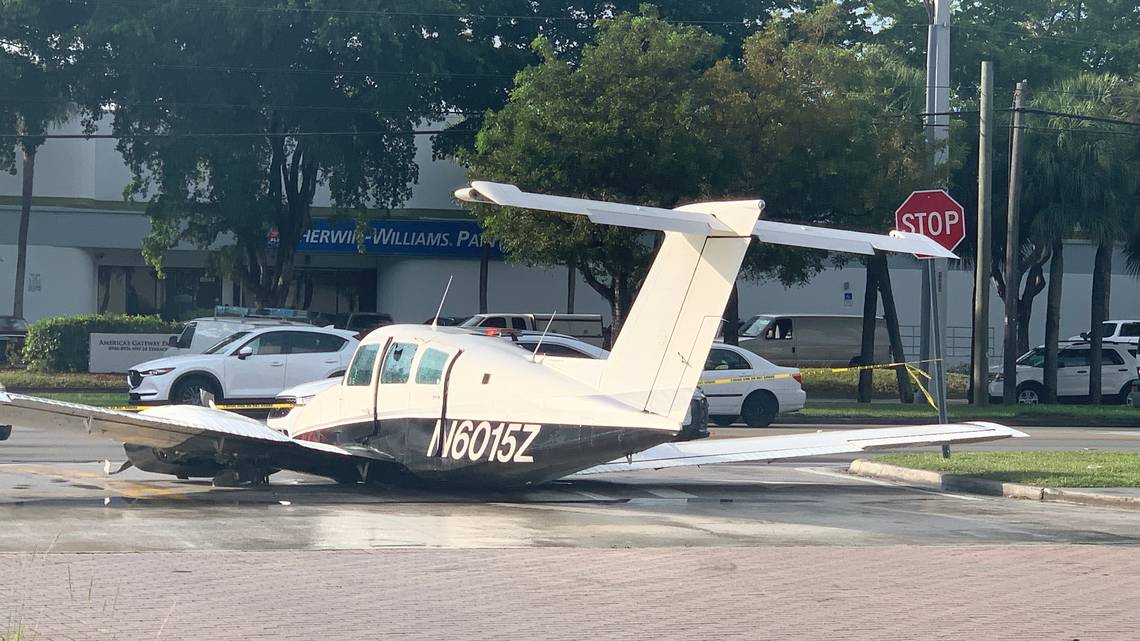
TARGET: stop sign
(934,214)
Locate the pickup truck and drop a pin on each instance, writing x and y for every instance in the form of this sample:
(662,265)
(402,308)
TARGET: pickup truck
(584,327)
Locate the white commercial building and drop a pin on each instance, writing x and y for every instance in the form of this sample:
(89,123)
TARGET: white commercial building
(84,257)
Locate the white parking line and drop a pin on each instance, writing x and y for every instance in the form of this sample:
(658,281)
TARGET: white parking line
(670,493)
(886,483)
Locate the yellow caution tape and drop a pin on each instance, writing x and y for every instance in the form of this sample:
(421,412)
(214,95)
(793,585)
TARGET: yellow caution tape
(231,408)
(910,366)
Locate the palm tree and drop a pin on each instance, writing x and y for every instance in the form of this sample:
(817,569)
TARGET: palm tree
(1086,179)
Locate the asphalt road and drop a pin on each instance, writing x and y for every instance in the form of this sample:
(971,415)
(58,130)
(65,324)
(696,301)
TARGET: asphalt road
(53,493)
(794,550)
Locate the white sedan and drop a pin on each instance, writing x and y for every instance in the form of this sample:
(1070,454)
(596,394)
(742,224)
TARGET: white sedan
(245,366)
(755,402)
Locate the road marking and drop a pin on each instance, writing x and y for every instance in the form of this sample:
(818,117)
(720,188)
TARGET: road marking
(887,483)
(671,493)
(1132,433)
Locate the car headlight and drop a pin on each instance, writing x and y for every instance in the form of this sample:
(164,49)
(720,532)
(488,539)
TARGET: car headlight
(157,372)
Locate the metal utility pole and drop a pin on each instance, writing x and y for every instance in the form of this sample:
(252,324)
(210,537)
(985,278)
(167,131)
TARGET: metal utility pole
(933,326)
(980,375)
(1012,247)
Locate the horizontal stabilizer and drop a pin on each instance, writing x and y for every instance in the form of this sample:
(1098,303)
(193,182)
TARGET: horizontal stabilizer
(771,448)
(600,212)
(853,242)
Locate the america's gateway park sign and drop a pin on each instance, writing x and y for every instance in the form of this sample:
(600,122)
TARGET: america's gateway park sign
(389,237)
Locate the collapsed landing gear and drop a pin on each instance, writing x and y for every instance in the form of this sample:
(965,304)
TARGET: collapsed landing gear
(242,476)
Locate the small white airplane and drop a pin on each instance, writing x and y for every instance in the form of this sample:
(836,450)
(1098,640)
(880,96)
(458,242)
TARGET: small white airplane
(440,404)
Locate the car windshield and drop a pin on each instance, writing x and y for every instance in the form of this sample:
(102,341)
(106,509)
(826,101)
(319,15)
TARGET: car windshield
(225,342)
(12,323)
(1033,358)
(754,326)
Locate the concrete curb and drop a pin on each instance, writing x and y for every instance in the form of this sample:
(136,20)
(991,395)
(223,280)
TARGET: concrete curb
(955,483)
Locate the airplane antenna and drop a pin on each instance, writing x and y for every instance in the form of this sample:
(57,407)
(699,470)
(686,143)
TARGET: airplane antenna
(550,322)
(435,320)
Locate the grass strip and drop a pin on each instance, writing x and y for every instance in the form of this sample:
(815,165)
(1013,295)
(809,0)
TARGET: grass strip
(1049,469)
(820,382)
(14,379)
(959,412)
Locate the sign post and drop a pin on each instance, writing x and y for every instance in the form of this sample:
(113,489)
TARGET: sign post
(934,214)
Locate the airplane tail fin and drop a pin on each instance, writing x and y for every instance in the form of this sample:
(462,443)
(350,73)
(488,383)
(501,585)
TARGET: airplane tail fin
(657,360)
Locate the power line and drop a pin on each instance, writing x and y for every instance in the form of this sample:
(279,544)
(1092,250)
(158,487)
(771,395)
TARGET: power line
(240,134)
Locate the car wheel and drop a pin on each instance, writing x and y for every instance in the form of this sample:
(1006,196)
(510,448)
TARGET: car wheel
(723,420)
(1030,394)
(1125,392)
(188,391)
(760,409)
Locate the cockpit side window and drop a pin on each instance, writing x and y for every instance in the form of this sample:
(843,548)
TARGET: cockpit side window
(398,363)
(360,372)
(431,367)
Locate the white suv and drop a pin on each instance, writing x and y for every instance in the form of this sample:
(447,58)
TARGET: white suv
(1118,370)
(247,366)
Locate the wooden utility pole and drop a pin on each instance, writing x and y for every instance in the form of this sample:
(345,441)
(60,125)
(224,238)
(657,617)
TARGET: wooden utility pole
(1012,246)
(980,375)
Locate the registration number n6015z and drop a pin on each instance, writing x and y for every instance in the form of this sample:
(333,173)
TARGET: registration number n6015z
(468,440)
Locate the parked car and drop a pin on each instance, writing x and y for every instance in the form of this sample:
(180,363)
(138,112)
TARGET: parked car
(1118,371)
(811,340)
(755,402)
(13,332)
(365,322)
(584,327)
(202,333)
(247,366)
(1116,331)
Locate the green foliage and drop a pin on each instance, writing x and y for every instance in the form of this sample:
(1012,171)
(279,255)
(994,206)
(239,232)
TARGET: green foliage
(822,129)
(62,344)
(36,382)
(629,122)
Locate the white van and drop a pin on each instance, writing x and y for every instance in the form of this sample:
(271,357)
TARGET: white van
(200,334)
(584,327)
(811,340)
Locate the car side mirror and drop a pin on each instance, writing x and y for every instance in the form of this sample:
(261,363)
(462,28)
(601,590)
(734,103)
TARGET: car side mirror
(245,353)
(172,341)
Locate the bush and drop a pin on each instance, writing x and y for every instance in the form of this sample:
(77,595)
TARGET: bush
(63,343)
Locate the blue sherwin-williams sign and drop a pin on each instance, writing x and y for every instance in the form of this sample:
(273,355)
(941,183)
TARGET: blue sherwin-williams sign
(454,238)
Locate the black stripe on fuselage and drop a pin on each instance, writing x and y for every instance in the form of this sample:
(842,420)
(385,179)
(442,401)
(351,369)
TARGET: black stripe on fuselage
(492,453)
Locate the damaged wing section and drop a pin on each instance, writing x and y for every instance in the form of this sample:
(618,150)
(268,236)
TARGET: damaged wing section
(190,430)
(772,448)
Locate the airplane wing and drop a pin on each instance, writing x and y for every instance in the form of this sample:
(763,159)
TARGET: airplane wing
(702,218)
(771,448)
(187,428)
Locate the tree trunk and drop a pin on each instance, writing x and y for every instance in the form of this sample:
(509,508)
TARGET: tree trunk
(22,239)
(732,318)
(867,349)
(1102,270)
(484,268)
(1053,319)
(1034,285)
(898,354)
(571,284)
(621,303)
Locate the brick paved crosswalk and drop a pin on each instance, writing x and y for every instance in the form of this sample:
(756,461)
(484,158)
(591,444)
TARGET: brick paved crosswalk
(1030,592)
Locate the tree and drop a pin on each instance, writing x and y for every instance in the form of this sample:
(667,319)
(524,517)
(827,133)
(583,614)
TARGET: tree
(823,128)
(1085,178)
(628,122)
(38,48)
(233,116)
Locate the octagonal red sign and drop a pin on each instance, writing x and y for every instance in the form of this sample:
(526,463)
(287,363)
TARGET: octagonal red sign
(934,214)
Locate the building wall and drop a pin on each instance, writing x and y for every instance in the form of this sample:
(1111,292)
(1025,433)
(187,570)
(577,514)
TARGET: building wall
(61,281)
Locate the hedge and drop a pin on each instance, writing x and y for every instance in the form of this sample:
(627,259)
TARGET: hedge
(63,343)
